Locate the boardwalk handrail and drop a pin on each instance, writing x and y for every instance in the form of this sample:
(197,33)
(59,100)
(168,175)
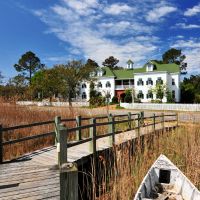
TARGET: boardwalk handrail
(78,129)
(111,123)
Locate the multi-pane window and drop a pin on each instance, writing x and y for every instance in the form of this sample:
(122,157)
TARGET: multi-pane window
(132,81)
(108,84)
(149,81)
(84,85)
(173,81)
(140,82)
(84,96)
(140,95)
(149,95)
(159,81)
(99,85)
(173,94)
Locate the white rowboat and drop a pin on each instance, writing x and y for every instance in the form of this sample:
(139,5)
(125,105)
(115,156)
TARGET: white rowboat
(164,181)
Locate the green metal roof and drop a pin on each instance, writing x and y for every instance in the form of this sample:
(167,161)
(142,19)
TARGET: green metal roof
(171,68)
(123,73)
(129,73)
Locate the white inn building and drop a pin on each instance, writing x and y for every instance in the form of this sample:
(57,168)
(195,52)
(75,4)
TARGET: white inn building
(142,80)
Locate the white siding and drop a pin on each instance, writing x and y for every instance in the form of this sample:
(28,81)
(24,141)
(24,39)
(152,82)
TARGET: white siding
(103,90)
(144,87)
(167,80)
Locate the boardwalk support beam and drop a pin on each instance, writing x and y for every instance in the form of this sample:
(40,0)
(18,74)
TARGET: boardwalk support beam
(111,129)
(78,132)
(68,181)
(1,145)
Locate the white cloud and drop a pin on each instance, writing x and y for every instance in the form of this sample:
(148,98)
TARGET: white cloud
(158,13)
(84,7)
(192,11)
(117,8)
(191,49)
(187,26)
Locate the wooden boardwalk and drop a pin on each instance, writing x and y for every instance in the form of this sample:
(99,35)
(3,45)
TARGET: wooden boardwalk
(36,175)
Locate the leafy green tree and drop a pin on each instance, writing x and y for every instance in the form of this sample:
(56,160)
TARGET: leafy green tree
(28,64)
(173,56)
(169,97)
(48,82)
(93,93)
(160,91)
(73,73)
(190,89)
(91,63)
(111,62)
(128,96)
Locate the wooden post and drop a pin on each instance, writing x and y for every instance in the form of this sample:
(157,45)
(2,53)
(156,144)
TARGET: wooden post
(92,147)
(68,181)
(111,129)
(57,122)
(62,144)
(78,132)
(93,150)
(154,123)
(138,124)
(177,119)
(142,117)
(163,122)
(1,145)
(129,122)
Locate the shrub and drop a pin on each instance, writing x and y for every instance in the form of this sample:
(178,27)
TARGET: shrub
(119,107)
(128,96)
(114,100)
(97,101)
(156,101)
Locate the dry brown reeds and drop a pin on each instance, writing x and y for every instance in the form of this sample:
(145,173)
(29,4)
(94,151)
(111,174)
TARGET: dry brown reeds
(13,115)
(180,146)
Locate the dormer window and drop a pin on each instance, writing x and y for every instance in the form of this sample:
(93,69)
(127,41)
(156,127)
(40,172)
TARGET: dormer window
(149,81)
(108,84)
(100,73)
(149,67)
(92,74)
(84,85)
(159,81)
(129,64)
(140,82)
(99,85)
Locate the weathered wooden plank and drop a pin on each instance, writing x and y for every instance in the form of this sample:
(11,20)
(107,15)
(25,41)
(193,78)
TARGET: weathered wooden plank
(49,192)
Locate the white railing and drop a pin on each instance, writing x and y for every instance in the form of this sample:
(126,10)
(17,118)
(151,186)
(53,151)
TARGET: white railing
(123,87)
(47,103)
(162,106)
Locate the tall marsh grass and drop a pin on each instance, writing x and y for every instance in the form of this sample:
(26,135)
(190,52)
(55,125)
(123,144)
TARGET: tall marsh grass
(13,115)
(121,181)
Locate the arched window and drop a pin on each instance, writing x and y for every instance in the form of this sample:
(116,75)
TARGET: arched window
(108,84)
(84,96)
(99,85)
(84,85)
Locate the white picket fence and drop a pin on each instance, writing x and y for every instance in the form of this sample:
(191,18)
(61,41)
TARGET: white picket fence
(162,106)
(47,103)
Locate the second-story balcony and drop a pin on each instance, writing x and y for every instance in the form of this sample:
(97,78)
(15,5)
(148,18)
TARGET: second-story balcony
(124,84)
(123,87)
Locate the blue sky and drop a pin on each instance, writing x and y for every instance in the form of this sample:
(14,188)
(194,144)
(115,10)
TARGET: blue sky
(62,30)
